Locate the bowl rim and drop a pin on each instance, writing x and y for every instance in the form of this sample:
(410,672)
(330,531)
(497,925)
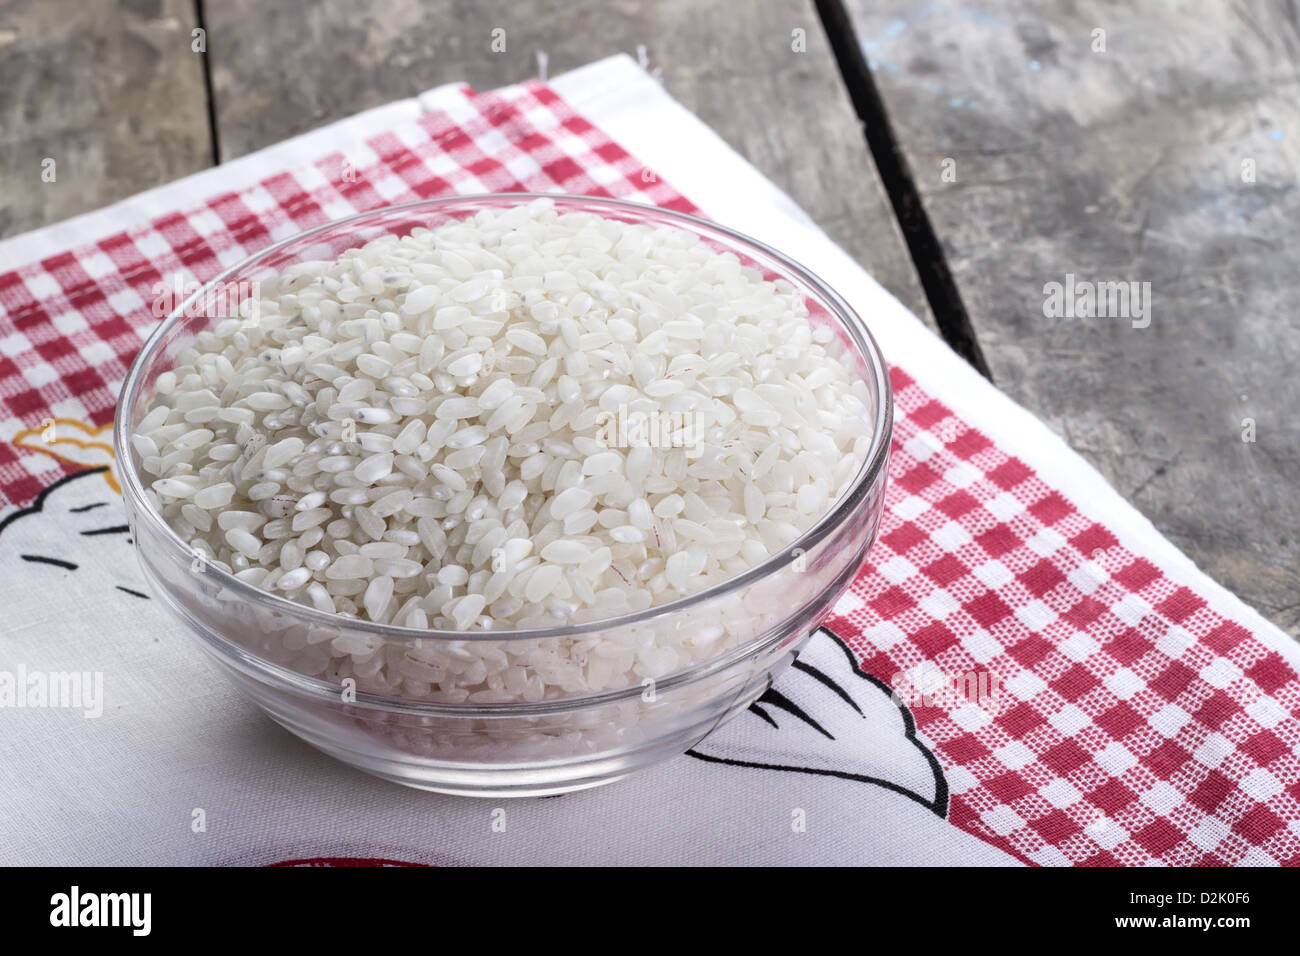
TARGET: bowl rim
(871,468)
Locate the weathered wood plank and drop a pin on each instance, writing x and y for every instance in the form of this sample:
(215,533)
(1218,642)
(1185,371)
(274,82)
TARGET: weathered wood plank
(110,91)
(281,68)
(1126,163)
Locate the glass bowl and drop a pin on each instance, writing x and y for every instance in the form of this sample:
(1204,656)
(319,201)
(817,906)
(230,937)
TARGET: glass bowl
(269,646)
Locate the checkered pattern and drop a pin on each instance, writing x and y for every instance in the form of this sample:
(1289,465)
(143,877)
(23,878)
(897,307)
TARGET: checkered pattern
(1134,725)
(71,324)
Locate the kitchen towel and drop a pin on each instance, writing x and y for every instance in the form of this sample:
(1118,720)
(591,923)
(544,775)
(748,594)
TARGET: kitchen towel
(1025,670)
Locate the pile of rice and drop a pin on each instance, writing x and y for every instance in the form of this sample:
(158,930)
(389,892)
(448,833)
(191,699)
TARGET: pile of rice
(426,432)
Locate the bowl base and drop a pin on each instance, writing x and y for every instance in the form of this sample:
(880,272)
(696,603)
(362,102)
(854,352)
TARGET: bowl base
(500,781)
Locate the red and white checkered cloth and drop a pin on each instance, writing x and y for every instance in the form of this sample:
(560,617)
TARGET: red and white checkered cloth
(1145,716)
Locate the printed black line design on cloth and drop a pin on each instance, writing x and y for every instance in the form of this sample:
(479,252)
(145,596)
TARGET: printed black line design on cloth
(825,716)
(73,524)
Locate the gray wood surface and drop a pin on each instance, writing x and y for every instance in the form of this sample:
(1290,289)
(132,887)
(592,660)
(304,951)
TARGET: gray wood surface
(110,90)
(1127,165)
(731,63)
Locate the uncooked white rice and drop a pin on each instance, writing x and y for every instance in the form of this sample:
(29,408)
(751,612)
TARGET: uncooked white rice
(424,433)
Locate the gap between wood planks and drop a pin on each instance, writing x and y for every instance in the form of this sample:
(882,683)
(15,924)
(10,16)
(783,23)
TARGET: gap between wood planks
(922,243)
(210,93)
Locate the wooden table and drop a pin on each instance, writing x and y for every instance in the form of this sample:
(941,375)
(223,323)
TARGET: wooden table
(967,154)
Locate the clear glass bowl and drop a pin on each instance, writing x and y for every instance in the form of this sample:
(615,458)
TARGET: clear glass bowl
(759,619)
